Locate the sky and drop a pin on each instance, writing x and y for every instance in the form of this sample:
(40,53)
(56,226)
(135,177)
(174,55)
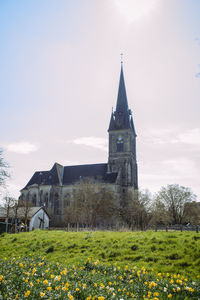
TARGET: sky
(59,77)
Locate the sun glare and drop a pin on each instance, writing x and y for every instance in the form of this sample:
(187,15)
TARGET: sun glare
(134,10)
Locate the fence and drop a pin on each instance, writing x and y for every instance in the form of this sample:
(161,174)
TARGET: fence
(79,227)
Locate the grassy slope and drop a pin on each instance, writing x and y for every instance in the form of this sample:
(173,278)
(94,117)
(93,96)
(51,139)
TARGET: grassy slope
(177,252)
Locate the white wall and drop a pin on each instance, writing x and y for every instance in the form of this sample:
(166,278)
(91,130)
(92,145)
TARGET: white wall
(35,221)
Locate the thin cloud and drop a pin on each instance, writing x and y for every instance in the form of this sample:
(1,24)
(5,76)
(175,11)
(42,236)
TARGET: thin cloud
(180,170)
(172,136)
(94,142)
(191,136)
(21,147)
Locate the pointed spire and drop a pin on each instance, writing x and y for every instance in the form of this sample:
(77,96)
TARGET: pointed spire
(112,122)
(132,126)
(122,103)
(122,117)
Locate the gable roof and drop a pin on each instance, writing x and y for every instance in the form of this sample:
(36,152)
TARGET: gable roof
(45,177)
(72,174)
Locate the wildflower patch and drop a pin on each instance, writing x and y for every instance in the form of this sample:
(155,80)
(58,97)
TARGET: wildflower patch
(36,278)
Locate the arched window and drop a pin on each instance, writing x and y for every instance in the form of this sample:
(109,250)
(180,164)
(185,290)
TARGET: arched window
(46,199)
(56,204)
(34,200)
(67,199)
(120,144)
(40,195)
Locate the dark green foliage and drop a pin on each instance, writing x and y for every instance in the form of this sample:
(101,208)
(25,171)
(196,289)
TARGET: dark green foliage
(173,256)
(153,248)
(50,249)
(134,247)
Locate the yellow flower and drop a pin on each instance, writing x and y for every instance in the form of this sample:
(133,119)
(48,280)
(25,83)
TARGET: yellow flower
(45,281)
(21,265)
(31,284)
(16,297)
(67,284)
(42,294)
(49,288)
(52,276)
(170,296)
(26,280)
(27,293)
(77,289)
(84,286)
(101,298)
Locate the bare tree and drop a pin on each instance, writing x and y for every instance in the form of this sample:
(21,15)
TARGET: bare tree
(159,215)
(192,213)
(9,203)
(92,204)
(3,170)
(136,211)
(174,197)
(25,207)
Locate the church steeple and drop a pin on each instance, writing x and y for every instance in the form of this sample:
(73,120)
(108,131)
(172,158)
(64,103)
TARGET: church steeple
(122,140)
(122,103)
(121,118)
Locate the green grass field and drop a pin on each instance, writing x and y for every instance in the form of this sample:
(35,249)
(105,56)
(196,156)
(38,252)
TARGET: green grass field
(174,252)
(100,265)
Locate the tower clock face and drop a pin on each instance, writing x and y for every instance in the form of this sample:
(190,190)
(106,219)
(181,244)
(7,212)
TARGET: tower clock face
(120,144)
(120,139)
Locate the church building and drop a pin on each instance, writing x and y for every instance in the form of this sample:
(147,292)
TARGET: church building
(54,188)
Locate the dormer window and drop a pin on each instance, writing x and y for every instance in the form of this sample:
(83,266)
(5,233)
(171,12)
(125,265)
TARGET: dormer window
(120,144)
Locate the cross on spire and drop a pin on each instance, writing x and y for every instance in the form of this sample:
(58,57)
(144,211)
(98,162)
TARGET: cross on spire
(121,58)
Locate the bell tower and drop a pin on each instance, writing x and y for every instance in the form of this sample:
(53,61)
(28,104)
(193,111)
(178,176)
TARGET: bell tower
(122,141)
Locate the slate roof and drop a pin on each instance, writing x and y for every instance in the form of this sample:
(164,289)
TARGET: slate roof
(95,171)
(72,174)
(45,177)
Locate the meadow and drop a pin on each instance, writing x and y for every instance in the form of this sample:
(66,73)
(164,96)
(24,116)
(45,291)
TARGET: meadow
(100,265)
